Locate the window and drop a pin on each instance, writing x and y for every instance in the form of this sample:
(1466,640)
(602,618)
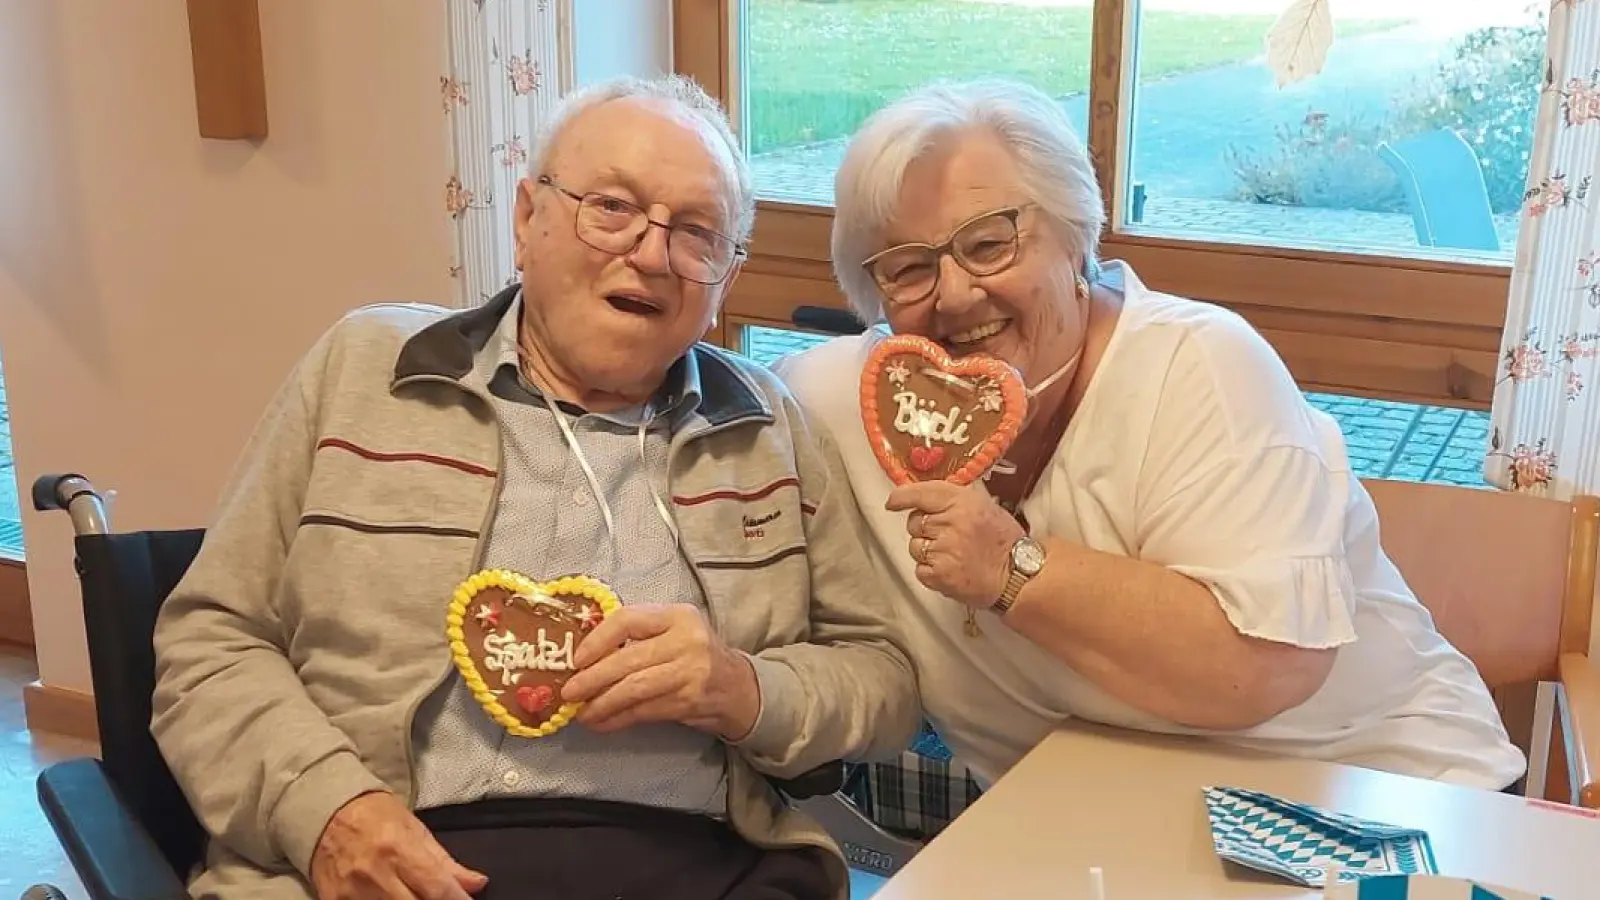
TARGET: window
(1385,439)
(1279,203)
(814,70)
(10,505)
(1412,139)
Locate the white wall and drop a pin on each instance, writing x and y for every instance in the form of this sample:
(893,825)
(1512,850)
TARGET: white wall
(621,37)
(156,287)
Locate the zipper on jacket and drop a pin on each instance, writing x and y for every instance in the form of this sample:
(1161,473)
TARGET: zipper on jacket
(477,562)
(481,549)
(728,778)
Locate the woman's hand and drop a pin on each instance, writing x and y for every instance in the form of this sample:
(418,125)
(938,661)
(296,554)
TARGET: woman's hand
(960,538)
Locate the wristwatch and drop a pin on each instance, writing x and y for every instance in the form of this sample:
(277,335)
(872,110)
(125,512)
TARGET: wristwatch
(1027,558)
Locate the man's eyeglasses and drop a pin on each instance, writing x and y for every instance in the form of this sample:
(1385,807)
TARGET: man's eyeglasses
(612,225)
(985,244)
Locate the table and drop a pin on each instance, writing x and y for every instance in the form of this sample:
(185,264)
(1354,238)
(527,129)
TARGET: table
(1132,805)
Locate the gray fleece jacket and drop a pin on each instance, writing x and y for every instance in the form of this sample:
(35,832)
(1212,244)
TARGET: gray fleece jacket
(295,652)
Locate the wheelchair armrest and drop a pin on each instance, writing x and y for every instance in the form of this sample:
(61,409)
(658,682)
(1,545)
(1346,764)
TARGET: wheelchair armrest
(821,781)
(113,854)
(826,319)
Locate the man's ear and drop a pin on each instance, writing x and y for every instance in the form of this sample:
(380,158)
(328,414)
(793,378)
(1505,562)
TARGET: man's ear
(522,212)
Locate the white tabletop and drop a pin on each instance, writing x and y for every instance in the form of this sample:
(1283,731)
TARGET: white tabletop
(1132,804)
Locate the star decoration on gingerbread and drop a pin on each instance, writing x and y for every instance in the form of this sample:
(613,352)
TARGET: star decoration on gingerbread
(989,397)
(488,615)
(589,618)
(897,372)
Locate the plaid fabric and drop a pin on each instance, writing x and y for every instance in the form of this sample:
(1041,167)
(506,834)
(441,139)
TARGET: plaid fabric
(917,796)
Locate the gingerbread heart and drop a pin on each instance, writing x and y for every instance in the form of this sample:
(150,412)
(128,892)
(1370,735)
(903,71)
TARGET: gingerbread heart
(929,416)
(513,641)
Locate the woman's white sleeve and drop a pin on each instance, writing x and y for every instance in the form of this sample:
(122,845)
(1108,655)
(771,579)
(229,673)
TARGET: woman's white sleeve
(1243,488)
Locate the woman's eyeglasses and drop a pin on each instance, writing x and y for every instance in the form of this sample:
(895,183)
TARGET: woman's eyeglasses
(985,244)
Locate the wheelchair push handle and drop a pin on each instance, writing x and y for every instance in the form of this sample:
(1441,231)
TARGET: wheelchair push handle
(75,494)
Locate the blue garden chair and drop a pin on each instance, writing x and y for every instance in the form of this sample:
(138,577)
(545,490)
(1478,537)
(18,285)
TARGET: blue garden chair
(1444,188)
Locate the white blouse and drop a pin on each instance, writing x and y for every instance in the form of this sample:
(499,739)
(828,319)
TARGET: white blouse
(1194,448)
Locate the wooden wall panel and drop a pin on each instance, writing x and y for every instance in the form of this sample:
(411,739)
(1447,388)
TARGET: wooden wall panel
(230,85)
(16,615)
(1355,354)
(700,37)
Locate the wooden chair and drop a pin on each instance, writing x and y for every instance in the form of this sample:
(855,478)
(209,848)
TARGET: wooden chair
(1510,581)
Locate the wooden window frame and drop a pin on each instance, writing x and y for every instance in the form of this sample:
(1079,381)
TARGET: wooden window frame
(1347,323)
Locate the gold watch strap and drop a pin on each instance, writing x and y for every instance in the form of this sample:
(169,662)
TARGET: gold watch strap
(1009,595)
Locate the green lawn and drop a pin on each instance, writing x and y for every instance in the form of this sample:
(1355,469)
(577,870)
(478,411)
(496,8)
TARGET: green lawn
(817,68)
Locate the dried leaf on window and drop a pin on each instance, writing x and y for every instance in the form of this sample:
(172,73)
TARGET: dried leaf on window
(1297,44)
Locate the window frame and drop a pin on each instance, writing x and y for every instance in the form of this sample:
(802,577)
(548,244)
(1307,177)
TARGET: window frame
(1366,325)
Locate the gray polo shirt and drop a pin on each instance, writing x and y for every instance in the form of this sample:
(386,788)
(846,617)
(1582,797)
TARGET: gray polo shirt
(547,524)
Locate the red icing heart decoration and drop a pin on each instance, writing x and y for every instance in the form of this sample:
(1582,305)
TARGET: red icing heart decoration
(930,417)
(534,698)
(926,459)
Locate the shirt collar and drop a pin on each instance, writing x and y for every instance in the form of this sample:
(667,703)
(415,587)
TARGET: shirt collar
(679,396)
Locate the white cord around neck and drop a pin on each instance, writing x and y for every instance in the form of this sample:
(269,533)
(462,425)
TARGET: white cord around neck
(1055,376)
(645,419)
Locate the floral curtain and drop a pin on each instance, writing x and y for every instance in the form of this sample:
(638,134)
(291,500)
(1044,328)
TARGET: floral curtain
(509,63)
(1545,429)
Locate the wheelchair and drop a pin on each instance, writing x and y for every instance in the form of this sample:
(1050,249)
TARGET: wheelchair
(122,820)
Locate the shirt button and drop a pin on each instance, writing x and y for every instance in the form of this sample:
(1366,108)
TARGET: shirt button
(579,498)
(510,778)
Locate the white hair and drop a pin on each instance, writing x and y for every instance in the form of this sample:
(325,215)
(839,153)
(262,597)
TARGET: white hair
(1055,170)
(676,89)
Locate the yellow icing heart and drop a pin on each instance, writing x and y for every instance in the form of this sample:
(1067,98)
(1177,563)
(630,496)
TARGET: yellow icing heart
(568,607)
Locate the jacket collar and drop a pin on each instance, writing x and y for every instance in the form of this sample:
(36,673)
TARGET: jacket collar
(448,348)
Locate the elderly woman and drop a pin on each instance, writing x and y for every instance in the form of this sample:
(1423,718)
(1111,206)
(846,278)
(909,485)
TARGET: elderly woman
(1176,541)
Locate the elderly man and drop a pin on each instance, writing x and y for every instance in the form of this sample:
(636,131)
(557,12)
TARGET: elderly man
(306,696)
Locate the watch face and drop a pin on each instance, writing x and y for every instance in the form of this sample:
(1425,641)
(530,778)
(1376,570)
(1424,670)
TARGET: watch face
(1028,556)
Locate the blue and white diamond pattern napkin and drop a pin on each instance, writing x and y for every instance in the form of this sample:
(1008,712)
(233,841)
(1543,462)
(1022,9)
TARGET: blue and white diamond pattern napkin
(1309,845)
(1424,887)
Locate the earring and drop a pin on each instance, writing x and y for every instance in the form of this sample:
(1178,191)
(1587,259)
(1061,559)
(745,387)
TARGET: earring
(1082,286)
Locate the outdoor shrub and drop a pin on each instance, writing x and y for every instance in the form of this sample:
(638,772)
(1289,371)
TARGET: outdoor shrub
(1319,162)
(1488,92)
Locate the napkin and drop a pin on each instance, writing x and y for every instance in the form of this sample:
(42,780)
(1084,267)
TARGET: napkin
(1424,887)
(1309,845)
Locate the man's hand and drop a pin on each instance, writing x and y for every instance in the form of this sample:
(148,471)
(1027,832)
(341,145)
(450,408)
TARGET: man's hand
(374,848)
(662,664)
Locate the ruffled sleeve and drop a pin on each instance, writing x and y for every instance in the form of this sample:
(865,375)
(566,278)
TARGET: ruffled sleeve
(1244,488)
(1308,601)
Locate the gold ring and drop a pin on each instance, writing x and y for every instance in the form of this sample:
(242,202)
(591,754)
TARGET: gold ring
(923,556)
